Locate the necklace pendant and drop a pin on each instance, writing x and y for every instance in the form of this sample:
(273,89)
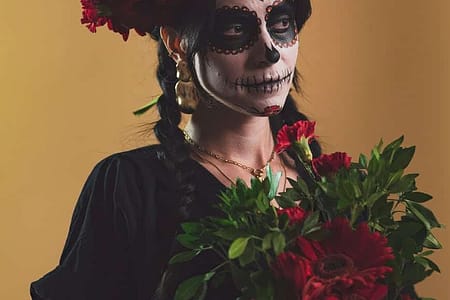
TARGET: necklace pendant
(258,173)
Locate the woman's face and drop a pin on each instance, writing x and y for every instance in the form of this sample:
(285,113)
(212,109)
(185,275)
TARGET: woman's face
(251,57)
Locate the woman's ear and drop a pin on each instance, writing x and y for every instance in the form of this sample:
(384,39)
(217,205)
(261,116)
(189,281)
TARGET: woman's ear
(175,45)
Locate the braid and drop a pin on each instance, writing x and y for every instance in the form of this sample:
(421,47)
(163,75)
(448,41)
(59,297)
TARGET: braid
(176,153)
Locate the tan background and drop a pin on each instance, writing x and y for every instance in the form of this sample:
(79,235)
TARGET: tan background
(371,69)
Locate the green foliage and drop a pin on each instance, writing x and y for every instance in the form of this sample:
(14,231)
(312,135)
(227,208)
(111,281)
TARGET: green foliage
(250,233)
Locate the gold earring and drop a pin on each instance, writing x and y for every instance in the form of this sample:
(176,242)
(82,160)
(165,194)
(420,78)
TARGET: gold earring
(185,89)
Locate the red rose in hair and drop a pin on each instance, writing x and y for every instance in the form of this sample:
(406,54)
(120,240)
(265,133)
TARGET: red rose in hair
(289,136)
(295,214)
(123,15)
(292,272)
(347,264)
(327,165)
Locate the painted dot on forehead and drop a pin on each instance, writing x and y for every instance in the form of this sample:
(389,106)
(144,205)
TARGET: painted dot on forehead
(236,29)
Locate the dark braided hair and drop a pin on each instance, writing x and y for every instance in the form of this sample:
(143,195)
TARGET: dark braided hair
(195,27)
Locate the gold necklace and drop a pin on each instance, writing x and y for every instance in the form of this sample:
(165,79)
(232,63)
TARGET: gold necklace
(257,172)
(284,174)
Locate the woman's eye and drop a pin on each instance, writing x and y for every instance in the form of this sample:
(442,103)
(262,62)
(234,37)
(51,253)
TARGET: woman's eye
(281,25)
(234,30)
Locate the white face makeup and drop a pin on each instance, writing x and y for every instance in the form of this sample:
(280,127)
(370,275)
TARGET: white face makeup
(252,54)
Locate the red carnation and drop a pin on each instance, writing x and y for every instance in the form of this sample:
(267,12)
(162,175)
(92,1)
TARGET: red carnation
(292,272)
(295,214)
(289,136)
(347,264)
(327,165)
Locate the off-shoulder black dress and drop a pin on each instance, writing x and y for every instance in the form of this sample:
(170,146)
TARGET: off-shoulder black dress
(122,231)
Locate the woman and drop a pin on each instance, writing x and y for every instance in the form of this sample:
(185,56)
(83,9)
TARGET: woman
(231,64)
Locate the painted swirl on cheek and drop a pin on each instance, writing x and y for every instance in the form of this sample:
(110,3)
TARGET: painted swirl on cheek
(235,30)
(281,24)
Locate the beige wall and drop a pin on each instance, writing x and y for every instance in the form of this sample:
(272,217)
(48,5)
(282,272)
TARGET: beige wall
(371,69)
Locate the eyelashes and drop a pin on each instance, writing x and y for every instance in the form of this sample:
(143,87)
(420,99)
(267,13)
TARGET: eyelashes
(237,28)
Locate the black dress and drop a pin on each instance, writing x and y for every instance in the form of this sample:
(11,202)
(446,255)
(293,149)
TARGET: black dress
(122,231)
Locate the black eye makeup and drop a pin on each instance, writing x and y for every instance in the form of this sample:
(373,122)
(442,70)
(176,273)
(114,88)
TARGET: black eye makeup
(235,30)
(281,25)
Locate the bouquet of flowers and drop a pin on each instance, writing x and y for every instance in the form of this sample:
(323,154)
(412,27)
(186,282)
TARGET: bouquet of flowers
(345,231)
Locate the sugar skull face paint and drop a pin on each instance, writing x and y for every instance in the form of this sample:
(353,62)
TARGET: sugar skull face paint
(251,59)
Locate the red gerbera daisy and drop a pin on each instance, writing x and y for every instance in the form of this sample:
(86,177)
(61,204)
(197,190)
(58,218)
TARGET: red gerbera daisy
(292,272)
(347,264)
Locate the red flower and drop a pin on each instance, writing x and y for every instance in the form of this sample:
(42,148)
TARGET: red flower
(288,135)
(405,297)
(123,15)
(292,272)
(327,165)
(347,264)
(295,214)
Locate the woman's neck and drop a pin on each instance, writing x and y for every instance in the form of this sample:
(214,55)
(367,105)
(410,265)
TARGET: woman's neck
(220,130)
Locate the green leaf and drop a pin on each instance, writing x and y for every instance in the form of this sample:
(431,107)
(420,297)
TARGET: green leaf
(249,254)
(395,144)
(433,266)
(237,247)
(300,185)
(310,223)
(423,214)
(194,287)
(376,151)
(414,273)
(318,235)
(374,198)
(288,198)
(418,197)
(267,241)
(184,256)
(194,228)
(409,247)
(208,276)
(406,230)
(262,203)
(274,181)
(343,203)
(142,110)
(426,253)
(189,288)
(264,285)
(431,242)
(188,241)
(229,233)
(394,178)
(427,263)
(278,242)
(405,184)
(402,158)
(363,161)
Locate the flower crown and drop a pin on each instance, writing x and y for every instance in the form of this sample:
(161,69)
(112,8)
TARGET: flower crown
(144,15)
(122,15)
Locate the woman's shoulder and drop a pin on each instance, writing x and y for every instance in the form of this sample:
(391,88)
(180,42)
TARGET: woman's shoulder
(147,161)
(147,155)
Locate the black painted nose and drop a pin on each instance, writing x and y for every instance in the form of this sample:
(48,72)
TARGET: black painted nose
(272,55)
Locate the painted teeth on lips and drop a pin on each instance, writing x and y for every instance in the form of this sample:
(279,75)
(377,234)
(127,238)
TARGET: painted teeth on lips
(270,81)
